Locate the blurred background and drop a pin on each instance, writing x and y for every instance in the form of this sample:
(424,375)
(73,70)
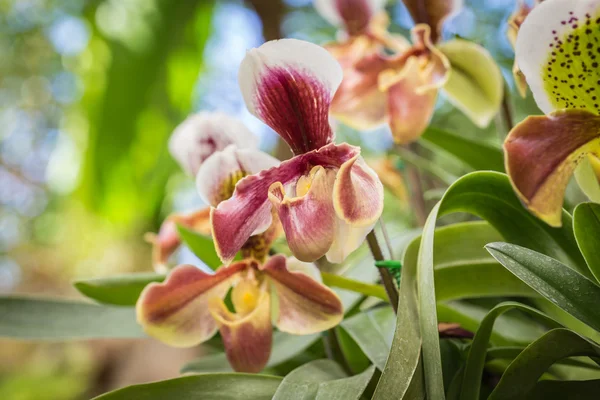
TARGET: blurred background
(89,94)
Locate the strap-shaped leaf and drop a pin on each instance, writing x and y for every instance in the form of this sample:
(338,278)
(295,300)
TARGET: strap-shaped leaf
(586,224)
(566,288)
(489,196)
(304,382)
(36,318)
(120,290)
(476,358)
(523,373)
(205,386)
(202,246)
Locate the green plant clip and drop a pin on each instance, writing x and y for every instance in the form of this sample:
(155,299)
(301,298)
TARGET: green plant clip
(395,268)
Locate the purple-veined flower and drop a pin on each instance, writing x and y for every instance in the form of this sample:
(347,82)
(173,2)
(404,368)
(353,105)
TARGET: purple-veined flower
(219,151)
(401,88)
(326,197)
(558,51)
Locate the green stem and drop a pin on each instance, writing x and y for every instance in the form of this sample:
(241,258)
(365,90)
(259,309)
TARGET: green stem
(341,282)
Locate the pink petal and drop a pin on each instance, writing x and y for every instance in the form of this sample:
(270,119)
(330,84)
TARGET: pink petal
(354,15)
(358,102)
(167,241)
(247,338)
(202,134)
(308,220)
(176,310)
(235,220)
(289,85)
(358,193)
(219,174)
(305,305)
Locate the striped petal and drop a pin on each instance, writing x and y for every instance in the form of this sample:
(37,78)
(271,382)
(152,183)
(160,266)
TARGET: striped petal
(557,50)
(202,134)
(247,336)
(249,209)
(305,306)
(353,15)
(542,153)
(432,13)
(289,85)
(219,174)
(167,241)
(357,193)
(308,220)
(176,311)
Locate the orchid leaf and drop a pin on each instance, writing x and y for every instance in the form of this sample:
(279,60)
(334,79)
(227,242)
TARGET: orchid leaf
(476,155)
(202,246)
(227,386)
(351,352)
(488,195)
(566,288)
(350,388)
(564,390)
(368,334)
(523,373)
(120,290)
(586,223)
(303,383)
(478,351)
(475,85)
(37,318)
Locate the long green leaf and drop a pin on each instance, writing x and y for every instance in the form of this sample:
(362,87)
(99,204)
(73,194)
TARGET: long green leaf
(477,155)
(350,388)
(203,386)
(523,373)
(120,290)
(566,288)
(364,329)
(202,246)
(565,390)
(476,358)
(586,224)
(432,359)
(303,382)
(490,196)
(31,318)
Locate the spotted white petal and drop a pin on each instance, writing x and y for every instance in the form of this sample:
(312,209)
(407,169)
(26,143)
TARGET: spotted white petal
(558,51)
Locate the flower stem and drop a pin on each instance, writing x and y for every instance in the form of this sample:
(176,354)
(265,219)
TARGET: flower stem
(342,282)
(386,276)
(506,111)
(416,188)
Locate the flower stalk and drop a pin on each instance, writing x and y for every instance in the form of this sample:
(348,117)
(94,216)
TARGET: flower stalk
(386,276)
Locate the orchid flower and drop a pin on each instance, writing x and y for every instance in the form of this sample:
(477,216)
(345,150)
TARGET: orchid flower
(514,24)
(219,150)
(401,89)
(326,197)
(188,308)
(558,50)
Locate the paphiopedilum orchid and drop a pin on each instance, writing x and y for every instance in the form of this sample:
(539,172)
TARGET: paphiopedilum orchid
(219,151)
(558,50)
(326,197)
(401,89)
(188,308)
